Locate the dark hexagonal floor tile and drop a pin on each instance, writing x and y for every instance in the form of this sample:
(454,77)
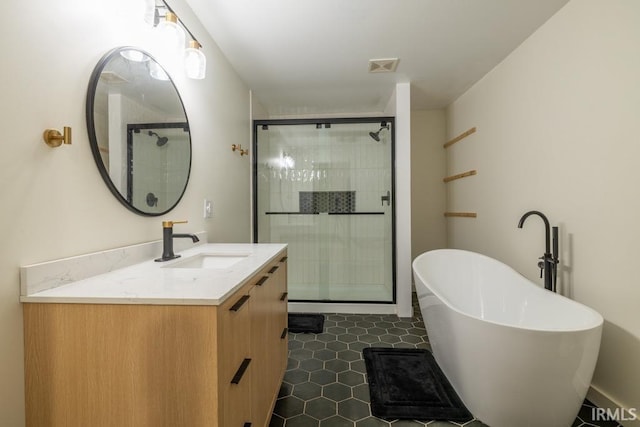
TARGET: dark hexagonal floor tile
(302,421)
(336,365)
(347,338)
(391,339)
(358,346)
(350,378)
(276,421)
(337,345)
(347,324)
(321,408)
(358,366)
(361,392)
(357,330)
(411,339)
(336,421)
(301,354)
(311,365)
(285,389)
(353,409)
(289,406)
(337,330)
(368,338)
(306,391)
(314,345)
(292,364)
(349,355)
(324,354)
(397,331)
(326,337)
(296,377)
(376,331)
(371,422)
(336,392)
(323,377)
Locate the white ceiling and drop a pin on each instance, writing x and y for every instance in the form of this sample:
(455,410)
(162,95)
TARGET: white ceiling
(304,57)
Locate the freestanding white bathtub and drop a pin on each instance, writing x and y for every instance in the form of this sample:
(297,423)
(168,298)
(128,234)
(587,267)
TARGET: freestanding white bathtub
(517,354)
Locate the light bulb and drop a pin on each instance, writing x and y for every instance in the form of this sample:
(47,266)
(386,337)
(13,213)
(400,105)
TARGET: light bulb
(169,35)
(195,63)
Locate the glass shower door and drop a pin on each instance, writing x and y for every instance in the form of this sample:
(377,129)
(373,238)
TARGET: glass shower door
(326,189)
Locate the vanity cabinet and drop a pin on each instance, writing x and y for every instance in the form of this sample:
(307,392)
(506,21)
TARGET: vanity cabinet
(159,365)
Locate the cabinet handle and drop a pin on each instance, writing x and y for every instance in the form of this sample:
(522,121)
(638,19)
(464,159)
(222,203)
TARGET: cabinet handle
(284,259)
(273,269)
(240,372)
(284,296)
(284,333)
(262,280)
(239,303)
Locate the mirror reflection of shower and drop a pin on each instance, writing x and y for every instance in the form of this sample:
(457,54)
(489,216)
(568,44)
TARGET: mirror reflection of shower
(162,140)
(376,135)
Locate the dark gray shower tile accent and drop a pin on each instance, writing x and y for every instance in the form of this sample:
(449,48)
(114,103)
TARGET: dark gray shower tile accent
(327,201)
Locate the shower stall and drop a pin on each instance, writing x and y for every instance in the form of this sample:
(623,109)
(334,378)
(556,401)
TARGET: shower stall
(325,187)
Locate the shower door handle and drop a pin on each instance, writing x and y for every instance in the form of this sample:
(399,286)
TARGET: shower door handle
(386,198)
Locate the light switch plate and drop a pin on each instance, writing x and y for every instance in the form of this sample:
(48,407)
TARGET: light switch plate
(208,209)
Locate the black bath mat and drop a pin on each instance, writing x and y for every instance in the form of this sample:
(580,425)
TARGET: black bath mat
(306,323)
(408,384)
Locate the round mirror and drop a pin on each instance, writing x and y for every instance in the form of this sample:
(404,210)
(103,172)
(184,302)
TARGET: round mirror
(138,131)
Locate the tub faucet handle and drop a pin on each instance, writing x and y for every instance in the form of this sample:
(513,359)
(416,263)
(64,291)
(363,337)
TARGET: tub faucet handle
(541,266)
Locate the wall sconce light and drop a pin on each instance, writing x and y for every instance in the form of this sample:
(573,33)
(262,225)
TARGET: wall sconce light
(238,147)
(53,137)
(170,39)
(195,63)
(169,35)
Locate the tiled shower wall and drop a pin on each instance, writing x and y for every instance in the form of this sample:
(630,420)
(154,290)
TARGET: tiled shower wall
(331,257)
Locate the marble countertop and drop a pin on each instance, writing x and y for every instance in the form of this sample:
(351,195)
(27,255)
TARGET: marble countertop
(150,282)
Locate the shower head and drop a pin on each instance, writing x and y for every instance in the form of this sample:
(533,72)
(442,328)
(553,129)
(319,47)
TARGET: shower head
(162,140)
(376,135)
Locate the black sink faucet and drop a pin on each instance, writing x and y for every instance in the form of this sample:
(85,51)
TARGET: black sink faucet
(167,240)
(549,260)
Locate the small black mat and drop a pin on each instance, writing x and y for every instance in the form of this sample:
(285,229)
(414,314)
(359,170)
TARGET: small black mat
(408,384)
(306,323)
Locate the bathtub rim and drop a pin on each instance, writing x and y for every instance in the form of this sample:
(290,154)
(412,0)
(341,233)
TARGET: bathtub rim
(598,320)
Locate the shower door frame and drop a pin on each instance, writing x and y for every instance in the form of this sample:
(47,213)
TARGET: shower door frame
(331,121)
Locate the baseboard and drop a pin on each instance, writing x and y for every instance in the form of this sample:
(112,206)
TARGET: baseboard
(342,308)
(629,417)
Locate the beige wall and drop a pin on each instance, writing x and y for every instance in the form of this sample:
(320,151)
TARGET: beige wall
(53,202)
(557,132)
(428,192)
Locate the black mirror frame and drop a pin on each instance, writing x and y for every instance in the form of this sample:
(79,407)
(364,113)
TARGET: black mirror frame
(93,140)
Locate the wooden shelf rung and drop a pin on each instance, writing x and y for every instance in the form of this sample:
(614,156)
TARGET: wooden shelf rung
(461,214)
(460,175)
(459,137)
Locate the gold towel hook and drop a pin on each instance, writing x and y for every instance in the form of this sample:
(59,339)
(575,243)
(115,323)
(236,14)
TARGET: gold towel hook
(53,137)
(238,147)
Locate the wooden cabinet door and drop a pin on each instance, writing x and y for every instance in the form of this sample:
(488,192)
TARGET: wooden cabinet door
(234,353)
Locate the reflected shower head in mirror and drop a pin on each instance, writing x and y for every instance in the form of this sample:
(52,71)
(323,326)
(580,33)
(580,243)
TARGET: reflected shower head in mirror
(162,140)
(376,135)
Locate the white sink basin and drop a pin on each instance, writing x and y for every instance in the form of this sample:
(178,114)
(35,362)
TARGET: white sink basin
(212,261)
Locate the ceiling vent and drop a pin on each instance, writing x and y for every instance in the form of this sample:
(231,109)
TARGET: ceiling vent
(387,65)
